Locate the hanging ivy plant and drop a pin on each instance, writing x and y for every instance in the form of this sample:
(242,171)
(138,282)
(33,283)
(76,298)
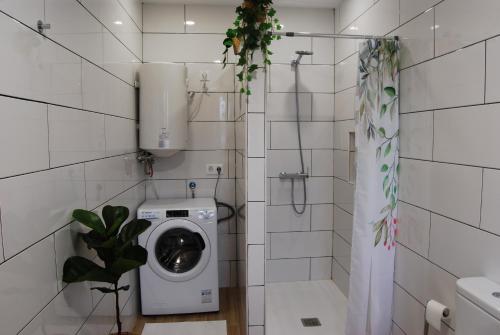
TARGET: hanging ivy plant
(255,21)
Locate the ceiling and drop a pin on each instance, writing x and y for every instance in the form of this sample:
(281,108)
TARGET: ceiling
(291,3)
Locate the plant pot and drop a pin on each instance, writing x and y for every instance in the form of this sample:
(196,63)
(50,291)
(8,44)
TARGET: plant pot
(247,4)
(236,45)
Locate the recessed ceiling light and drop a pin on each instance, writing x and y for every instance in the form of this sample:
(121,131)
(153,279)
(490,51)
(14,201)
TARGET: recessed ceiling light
(190,23)
(218,61)
(353,28)
(118,22)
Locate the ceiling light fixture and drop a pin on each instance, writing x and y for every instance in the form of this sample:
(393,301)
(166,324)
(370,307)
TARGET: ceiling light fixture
(118,22)
(190,23)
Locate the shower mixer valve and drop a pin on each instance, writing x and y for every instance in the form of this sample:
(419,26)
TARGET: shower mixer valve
(297,175)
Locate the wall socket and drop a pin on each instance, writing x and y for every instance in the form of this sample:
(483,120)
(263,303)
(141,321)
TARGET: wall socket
(212,169)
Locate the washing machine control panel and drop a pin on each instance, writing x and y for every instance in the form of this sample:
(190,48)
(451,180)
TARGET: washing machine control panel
(150,215)
(205,214)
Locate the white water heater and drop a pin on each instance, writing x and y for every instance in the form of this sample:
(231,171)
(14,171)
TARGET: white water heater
(163,108)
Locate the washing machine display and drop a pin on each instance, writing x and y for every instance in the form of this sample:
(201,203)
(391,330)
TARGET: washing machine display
(179,250)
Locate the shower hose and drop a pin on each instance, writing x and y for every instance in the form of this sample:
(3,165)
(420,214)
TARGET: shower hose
(299,136)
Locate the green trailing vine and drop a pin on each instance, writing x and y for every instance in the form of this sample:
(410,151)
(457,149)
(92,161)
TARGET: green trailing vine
(255,21)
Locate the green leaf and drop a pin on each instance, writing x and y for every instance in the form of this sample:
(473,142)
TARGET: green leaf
(381,131)
(393,201)
(397,169)
(384,168)
(383,109)
(78,269)
(132,258)
(387,149)
(114,217)
(378,237)
(89,219)
(386,180)
(390,91)
(133,229)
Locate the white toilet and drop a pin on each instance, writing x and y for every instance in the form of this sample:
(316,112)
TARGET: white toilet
(478,307)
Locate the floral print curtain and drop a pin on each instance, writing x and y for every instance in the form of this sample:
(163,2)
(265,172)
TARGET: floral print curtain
(375,223)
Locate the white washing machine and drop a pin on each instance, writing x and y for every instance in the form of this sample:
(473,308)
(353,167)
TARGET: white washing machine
(181,275)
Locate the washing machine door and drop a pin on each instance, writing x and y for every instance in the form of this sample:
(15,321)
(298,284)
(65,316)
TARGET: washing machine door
(178,250)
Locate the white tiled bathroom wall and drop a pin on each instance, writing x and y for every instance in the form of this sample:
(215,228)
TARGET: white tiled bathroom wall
(67,140)
(449,157)
(299,247)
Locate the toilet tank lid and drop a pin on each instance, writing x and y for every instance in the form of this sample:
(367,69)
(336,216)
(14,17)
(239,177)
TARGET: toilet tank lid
(482,292)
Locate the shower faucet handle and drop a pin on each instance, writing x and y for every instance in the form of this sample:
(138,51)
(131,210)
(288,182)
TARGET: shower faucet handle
(297,175)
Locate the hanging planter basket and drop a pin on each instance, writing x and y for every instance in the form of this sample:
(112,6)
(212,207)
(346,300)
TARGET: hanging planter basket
(252,31)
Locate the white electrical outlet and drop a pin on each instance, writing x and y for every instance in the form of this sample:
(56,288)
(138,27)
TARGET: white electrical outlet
(212,169)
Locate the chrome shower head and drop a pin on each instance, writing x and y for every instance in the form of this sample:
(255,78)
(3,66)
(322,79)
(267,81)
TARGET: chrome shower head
(301,53)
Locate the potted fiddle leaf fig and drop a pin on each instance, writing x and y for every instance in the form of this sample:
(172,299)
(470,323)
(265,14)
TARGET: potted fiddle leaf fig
(115,246)
(252,30)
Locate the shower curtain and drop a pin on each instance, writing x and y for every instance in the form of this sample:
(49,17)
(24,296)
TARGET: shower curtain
(375,223)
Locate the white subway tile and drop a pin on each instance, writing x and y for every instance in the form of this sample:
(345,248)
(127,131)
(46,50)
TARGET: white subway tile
(256,330)
(341,251)
(211,135)
(341,278)
(134,10)
(461,24)
(75,136)
(209,18)
(321,268)
(256,137)
(287,270)
(324,49)
(417,135)
(163,18)
(206,188)
(256,221)
(26,11)
(463,250)
(281,107)
(166,189)
(492,70)
(27,284)
(75,28)
(417,39)
(104,93)
(28,60)
(183,48)
(220,79)
(322,163)
(345,104)
(414,228)
(342,223)
(65,314)
(256,303)
(346,73)
(322,217)
(411,8)
(121,135)
(312,78)
(408,312)
(23,136)
(341,134)
(191,164)
(319,191)
(424,280)
(284,50)
(210,107)
(314,20)
(301,244)
(490,201)
(453,80)
(350,10)
(315,135)
(52,196)
(451,190)
(256,265)
(341,164)
(256,179)
(284,219)
(106,178)
(110,13)
(119,60)
(467,135)
(343,194)
(323,106)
